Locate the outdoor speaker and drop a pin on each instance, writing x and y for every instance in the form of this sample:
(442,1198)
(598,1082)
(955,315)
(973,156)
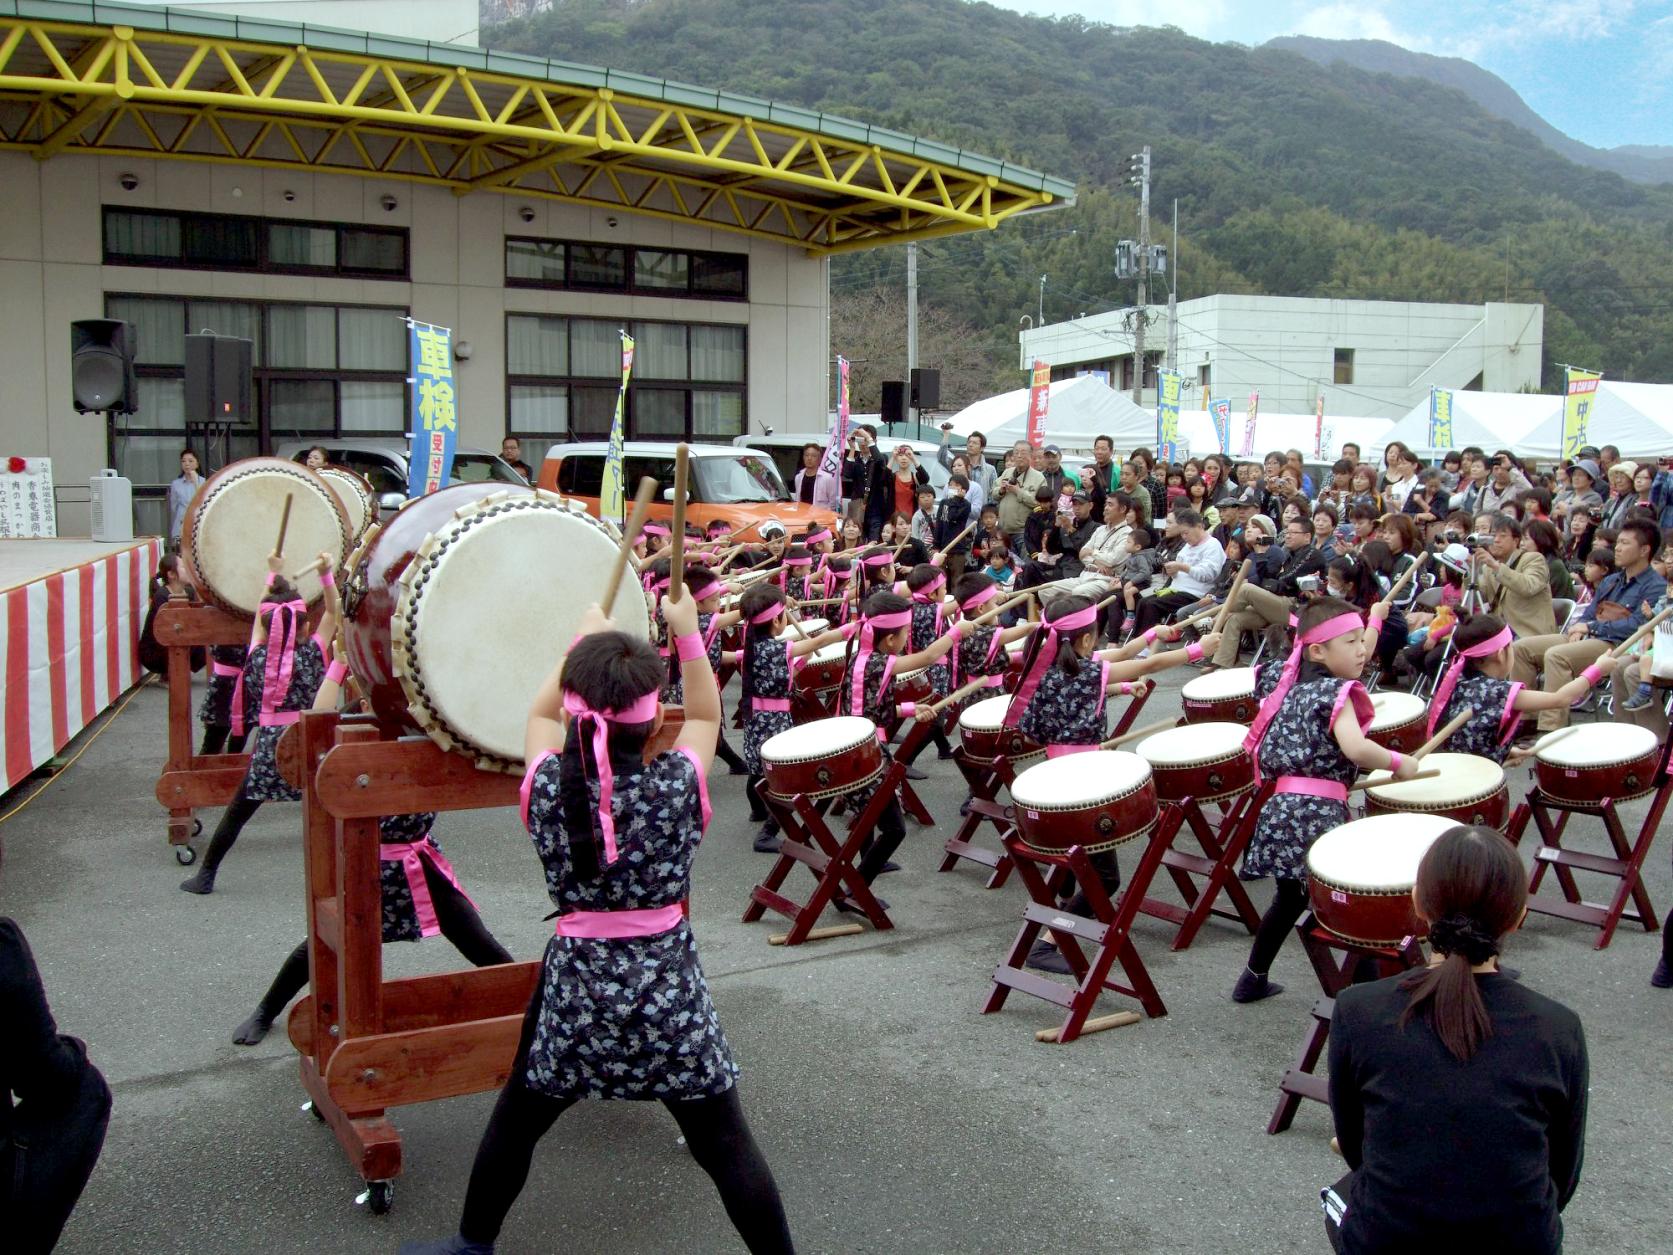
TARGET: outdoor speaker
(926,388)
(102,365)
(218,379)
(894,401)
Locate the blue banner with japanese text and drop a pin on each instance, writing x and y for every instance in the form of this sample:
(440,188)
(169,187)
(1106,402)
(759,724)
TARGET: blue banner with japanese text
(435,410)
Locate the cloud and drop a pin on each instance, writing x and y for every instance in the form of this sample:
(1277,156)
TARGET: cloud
(1356,21)
(1203,18)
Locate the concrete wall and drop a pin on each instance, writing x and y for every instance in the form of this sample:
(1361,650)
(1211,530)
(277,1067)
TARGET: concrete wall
(1285,348)
(51,274)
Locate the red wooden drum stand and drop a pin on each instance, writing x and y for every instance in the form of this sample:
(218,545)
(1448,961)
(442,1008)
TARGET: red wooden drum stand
(986,777)
(1222,850)
(1334,961)
(368,1044)
(1551,815)
(190,780)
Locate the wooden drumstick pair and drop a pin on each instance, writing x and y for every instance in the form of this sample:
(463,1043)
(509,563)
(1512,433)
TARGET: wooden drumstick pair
(1418,755)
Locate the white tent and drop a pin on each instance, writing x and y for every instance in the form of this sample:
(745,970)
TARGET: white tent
(1283,432)
(1528,424)
(1635,417)
(1080,410)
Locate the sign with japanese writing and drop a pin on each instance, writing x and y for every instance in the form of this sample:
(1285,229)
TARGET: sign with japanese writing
(612,498)
(1440,419)
(435,408)
(1577,410)
(831,463)
(1249,425)
(26,503)
(1168,386)
(1221,413)
(1039,399)
(1318,430)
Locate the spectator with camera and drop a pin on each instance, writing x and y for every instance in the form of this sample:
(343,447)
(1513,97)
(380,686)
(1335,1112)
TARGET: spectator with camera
(1014,493)
(1515,582)
(1267,600)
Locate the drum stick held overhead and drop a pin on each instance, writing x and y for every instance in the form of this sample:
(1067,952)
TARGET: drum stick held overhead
(676,562)
(284,525)
(1445,734)
(1231,597)
(1620,650)
(1138,734)
(1387,599)
(630,536)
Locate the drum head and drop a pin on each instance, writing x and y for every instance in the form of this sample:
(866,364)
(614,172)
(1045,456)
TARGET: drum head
(1595,745)
(1391,710)
(1219,685)
(488,606)
(1463,778)
(1378,854)
(355,493)
(1078,781)
(822,738)
(810,627)
(234,523)
(987,715)
(1194,743)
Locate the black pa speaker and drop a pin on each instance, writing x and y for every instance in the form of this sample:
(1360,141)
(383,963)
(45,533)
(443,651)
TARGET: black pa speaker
(926,388)
(218,379)
(102,365)
(894,401)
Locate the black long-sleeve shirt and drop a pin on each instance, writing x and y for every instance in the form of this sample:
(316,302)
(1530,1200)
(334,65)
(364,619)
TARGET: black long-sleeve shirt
(42,1069)
(1457,1156)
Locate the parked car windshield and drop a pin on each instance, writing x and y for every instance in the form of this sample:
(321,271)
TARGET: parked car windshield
(477,468)
(736,480)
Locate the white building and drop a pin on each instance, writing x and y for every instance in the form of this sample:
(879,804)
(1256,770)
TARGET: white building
(1373,359)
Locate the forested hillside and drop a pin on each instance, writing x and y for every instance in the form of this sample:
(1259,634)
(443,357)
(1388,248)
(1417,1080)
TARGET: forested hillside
(1290,180)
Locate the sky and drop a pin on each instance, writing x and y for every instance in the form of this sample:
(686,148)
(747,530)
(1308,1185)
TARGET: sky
(1600,71)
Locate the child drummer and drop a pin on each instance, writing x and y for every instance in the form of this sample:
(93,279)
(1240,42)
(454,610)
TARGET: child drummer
(927,585)
(706,588)
(1309,737)
(622,1010)
(982,651)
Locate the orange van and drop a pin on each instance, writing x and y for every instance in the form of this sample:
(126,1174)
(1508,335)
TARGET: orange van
(739,486)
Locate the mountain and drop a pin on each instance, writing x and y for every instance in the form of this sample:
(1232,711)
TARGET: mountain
(1289,182)
(1643,163)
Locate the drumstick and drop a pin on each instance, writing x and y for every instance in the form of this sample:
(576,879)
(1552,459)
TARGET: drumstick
(1368,783)
(1138,734)
(1106,601)
(988,616)
(958,694)
(1441,737)
(676,562)
(1551,738)
(630,534)
(1387,599)
(1231,597)
(313,566)
(941,553)
(284,526)
(1620,650)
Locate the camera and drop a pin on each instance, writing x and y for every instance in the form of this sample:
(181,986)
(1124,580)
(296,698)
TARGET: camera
(1307,583)
(1453,536)
(128,181)
(1475,540)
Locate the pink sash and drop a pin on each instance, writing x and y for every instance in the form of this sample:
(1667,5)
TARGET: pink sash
(645,922)
(1311,786)
(412,855)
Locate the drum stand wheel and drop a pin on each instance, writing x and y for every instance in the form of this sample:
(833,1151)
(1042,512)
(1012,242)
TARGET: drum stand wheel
(1109,931)
(985,776)
(378,1197)
(1335,961)
(186,855)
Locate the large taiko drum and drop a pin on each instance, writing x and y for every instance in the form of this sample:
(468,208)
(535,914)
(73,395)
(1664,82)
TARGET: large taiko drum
(1360,876)
(912,686)
(463,603)
(1397,721)
(1096,800)
(982,732)
(354,490)
(1470,790)
(1205,762)
(822,758)
(232,522)
(1224,696)
(1593,761)
(823,669)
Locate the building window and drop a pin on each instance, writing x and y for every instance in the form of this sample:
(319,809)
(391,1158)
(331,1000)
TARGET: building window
(1203,373)
(147,237)
(689,379)
(532,263)
(320,371)
(1344,366)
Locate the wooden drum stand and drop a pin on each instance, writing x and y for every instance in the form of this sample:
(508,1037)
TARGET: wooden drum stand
(368,1044)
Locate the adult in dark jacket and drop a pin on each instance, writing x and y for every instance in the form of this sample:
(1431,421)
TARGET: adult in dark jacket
(867,479)
(1269,599)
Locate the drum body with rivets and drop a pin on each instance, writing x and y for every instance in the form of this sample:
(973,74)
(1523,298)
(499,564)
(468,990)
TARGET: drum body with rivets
(1361,874)
(1205,762)
(823,669)
(1096,800)
(1470,789)
(982,732)
(1593,761)
(464,602)
(1224,696)
(1397,720)
(822,758)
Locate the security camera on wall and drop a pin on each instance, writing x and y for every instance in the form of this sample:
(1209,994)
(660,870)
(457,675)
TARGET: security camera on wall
(128,181)
(526,214)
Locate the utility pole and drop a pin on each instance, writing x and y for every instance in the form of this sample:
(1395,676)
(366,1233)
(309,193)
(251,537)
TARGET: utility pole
(1141,176)
(1042,321)
(1173,294)
(911,326)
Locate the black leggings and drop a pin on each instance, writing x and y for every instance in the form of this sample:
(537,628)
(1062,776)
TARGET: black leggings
(226,832)
(459,923)
(758,811)
(716,1134)
(888,834)
(1286,910)
(1153,610)
(217,736)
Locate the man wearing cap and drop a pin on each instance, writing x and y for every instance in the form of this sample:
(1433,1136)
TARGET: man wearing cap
(1104,555)
(1074,534)
(1269,596)
(1055,473)
(1581,493)
(1235,513)
(1515,583)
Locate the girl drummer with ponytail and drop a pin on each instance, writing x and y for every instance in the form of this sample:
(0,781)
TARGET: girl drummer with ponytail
(927,587)
(706,588)
(622,1010)
(1309,737)
(281,675)
(767,662)
(1478,679)
(1459,1094)
(981,651)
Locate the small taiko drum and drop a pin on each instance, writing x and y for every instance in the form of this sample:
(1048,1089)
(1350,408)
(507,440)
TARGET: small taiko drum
(1590,762)
(822,670)
(1205,762)
(1096,800)
(1224,696)
(354,490)
(982,732)
(822,758)
(1470,790)
(448,632)
(1016,652)
(1397,721)
(912,686)
(1360,876)
(810,627)
(233,521)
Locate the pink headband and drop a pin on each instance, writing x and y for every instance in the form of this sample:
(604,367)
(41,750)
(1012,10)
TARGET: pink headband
(1057,631)
(655,529)
(980,599)
(869,625)
(769,614)
(1329,630)
(931,588)
(275,681)
(805,561)
(1449,681)
(819,537)
(642,710)
(878,559)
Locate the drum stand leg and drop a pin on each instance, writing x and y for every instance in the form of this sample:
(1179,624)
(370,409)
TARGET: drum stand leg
(1626,867)
(1217,865)
(985,778)
(1109,930)
(1335,974)
(808,841)
(917,735)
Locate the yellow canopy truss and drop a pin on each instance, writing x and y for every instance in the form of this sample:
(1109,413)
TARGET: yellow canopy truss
(141,81)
